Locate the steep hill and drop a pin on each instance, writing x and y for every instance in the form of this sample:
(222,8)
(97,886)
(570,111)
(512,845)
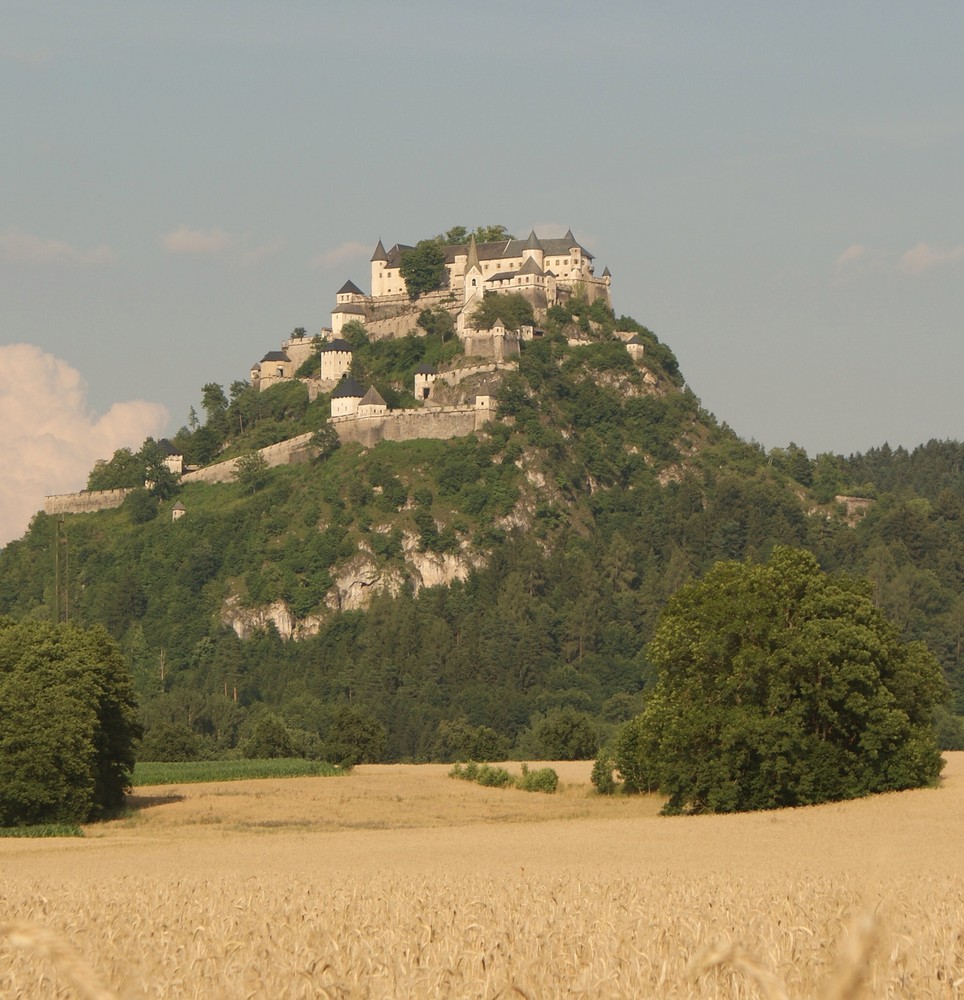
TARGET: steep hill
(441,598)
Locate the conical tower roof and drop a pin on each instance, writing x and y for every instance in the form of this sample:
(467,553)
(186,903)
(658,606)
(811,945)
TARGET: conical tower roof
(372,398)
(473,255)
(379,253)
(532,243)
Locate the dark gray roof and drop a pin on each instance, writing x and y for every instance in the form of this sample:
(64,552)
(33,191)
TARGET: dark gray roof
(532,243)
(556,246)
(350,307)
(502,276)
(256,366)
(276,356)
(379,253)
(634,339)
(336,345)
(372,398)
(606,272)
(348,388)
(167,448)
(394,256)
(426,370)
(349,288)
(530,267)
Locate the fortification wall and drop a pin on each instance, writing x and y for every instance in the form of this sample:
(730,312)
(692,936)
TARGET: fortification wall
(84,501)
(405,425)
(289,452)
(456,375)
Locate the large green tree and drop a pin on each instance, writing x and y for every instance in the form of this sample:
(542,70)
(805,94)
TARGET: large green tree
(779,685)
(422,267)
(67,723)
(513,309)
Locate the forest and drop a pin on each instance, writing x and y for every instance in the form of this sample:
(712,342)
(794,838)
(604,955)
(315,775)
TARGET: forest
(602,488)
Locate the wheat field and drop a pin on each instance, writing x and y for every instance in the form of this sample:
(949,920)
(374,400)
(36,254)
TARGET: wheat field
(396,881)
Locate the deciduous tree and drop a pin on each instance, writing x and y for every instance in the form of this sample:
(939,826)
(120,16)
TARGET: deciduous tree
(780,686)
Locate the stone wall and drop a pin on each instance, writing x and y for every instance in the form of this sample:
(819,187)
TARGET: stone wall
(84,501)
(456,375)
(405,425)
(288,452)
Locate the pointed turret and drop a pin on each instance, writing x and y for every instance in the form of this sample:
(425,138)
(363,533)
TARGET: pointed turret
(532,243)
(379,253)
(473,255)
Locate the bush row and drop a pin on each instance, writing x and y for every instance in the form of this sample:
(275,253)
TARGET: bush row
(543,779)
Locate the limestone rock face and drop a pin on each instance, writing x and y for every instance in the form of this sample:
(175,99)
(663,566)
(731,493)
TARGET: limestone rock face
(359,580)
(246,621)
(432,569)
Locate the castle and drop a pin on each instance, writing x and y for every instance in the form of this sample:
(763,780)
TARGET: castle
(545,271)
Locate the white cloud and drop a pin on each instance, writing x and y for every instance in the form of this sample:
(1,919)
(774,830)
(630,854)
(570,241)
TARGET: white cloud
(256,254)
(923,257)
(197,241)
(341,254)
(854,252)
(49,437)
(16,245)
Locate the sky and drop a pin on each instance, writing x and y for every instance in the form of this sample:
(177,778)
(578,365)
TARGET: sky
(776,188)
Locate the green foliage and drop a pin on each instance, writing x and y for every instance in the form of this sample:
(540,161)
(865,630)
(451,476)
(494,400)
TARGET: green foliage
(437,322)
(251,472)
(542,780)
(567,734)
(781,686)
(354,737)
(67,724)
(270,739)
(602,774)
(457,739)
(459,235)
(43,830)
(124,471)
(422,267)
(170,741)
(325,442)
(141,506)
(513,309)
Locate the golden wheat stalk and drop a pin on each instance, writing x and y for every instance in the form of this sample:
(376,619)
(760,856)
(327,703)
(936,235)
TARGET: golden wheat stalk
(64,957)
(727,953)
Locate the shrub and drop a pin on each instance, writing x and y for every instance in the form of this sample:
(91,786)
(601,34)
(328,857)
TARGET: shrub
(602,774)
(544,779)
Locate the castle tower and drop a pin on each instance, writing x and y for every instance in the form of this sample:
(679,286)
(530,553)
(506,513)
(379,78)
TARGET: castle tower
(335,359)
(534,250)
(345,399)
(379,263)
(473,275)
(371,404)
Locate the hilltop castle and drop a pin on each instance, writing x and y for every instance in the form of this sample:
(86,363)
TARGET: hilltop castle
(546,271)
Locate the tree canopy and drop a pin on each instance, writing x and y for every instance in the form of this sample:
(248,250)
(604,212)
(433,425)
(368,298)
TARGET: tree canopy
(422,267)
(483,234)
(779,685)
(67,723)
(513,309)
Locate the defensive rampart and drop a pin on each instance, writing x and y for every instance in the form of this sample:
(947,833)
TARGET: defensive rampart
(406,425)
(84,501)
(456,375)
(288,452)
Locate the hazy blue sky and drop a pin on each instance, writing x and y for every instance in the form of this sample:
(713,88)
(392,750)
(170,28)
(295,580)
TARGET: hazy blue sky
(775,187)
